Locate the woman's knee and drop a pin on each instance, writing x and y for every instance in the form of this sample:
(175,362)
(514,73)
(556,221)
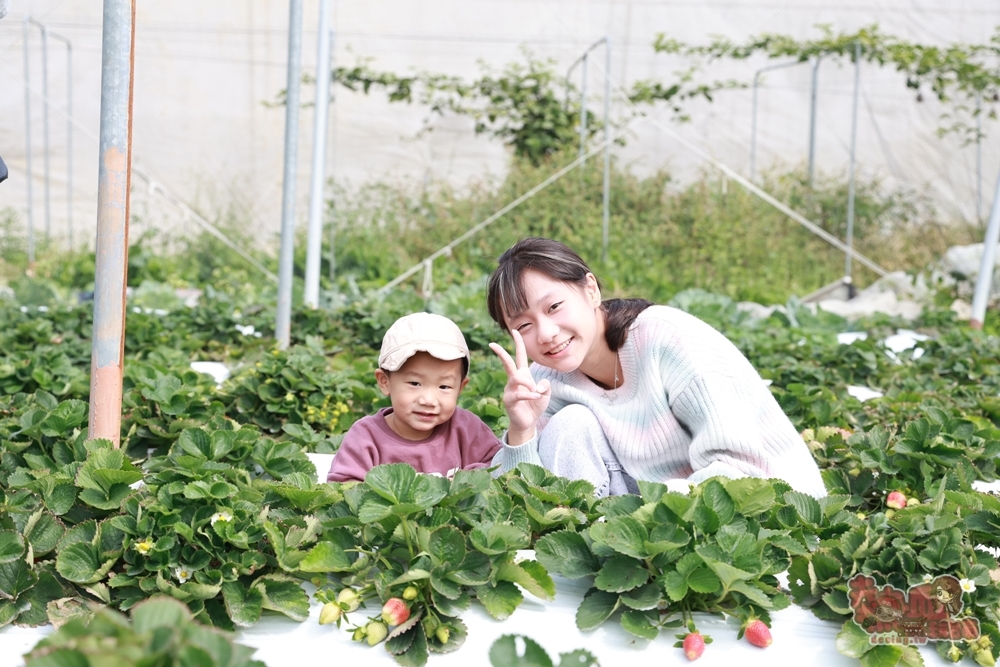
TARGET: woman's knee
(573,435)
(574,418)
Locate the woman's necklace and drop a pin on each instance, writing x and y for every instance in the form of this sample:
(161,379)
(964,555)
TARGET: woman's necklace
(612,396)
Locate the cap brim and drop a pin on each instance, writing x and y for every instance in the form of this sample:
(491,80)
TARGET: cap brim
(443,351)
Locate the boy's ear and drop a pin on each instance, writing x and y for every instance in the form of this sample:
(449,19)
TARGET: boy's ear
(383,380)
(465,381)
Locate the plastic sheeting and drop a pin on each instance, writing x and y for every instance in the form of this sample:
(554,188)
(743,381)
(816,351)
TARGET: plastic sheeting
(203,70)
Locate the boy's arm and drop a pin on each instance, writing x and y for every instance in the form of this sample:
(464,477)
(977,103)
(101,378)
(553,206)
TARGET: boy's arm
(482,447)
(356,456)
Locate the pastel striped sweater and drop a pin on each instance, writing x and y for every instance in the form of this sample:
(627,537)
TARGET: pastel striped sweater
(691,407)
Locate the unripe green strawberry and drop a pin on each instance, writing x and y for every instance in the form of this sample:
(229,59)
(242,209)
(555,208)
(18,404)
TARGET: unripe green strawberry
(359,633)
(377,631)
(410,593)
(757,633)
(911,502)
(694,645)
(984,657)
(442,634)
(954,653)
(395,611)
(349,599)
(330,613)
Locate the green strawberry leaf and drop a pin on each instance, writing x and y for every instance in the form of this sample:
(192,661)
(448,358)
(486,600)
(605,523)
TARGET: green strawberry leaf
(620,574)
(501,600)
(641,623)
(596,607)
(566,553)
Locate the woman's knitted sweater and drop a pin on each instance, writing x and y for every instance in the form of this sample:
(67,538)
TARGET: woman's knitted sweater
(691,406)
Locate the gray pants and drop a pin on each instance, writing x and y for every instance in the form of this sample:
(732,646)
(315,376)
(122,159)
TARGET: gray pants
(573,445)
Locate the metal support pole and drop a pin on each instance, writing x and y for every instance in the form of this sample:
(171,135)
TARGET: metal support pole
(282,329)
(812,119)
(606,213)
(69,136)
(979,158)
(984,282)
(581,157)
(108,343)
(753,113)
(45,131)
(582,61)
(333,243)
(850,185)
(27,140)
(583,107)
(314,243)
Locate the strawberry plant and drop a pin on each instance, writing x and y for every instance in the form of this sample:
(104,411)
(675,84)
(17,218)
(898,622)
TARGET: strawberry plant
(424,547)
(301,386)
(161,631)
(921,519)
(159,402)
(550,502)
(664,555)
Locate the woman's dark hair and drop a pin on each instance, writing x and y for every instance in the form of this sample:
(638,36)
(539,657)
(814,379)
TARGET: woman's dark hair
(505,291)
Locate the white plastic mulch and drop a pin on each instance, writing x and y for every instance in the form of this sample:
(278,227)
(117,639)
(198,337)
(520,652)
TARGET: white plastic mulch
(902,340)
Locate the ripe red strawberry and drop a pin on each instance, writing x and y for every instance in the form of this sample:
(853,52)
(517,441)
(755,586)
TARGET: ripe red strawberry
(395,611)
(757,633)
(896,500)
(694,645)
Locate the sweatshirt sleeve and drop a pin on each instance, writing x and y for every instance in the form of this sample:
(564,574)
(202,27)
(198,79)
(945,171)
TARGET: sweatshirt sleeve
(356,456)
(509,456)
(483,446)
(725,436)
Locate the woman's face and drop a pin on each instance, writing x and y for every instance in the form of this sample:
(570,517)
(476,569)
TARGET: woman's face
(561,322)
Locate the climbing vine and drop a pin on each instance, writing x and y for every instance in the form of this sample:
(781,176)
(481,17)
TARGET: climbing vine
(964,77)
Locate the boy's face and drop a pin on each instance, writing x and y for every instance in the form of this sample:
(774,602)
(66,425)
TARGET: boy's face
(424,393)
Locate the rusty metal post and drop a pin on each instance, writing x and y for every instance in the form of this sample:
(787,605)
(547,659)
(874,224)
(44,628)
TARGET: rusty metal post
(286,258)
(108,346)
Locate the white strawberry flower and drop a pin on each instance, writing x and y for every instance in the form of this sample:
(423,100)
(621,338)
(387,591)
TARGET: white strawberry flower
(182,574)
(968,585)
(928,578)
(224,515)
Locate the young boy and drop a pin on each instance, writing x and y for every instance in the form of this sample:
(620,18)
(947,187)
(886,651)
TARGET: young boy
(423,367)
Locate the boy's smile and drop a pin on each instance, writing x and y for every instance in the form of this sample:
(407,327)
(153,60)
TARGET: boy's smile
(424,394)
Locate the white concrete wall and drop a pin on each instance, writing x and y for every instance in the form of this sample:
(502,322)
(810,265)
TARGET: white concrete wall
(204,69)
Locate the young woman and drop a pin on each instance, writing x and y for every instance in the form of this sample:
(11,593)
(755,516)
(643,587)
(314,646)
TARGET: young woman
(624,390)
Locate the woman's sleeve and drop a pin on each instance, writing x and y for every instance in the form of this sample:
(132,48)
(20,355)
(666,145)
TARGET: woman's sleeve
(726,439)
(508,457)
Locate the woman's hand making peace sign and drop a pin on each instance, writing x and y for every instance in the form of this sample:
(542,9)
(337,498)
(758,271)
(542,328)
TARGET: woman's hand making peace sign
(524,400)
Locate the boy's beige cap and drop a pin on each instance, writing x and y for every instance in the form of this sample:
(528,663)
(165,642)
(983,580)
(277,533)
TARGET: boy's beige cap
(421,332)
